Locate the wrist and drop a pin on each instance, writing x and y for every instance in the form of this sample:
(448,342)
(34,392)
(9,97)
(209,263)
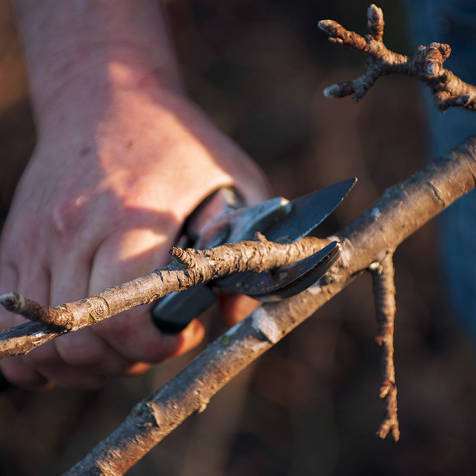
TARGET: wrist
(73,47)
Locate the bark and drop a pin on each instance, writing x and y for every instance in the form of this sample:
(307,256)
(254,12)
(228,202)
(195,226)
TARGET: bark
(426,65)
(402,210)
(190,267)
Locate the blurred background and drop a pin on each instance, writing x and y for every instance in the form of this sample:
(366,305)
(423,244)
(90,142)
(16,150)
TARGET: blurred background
(310,405)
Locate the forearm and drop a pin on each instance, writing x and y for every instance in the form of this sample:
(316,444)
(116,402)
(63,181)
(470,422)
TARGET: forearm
(90,43)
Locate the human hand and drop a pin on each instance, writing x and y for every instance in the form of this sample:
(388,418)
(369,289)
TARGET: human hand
(116,171)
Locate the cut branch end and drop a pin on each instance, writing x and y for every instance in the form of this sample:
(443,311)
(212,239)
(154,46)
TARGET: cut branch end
(34,311)
(10,301)
(375,22)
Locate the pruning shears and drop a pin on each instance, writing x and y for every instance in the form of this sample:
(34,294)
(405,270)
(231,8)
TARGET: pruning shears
(281,221)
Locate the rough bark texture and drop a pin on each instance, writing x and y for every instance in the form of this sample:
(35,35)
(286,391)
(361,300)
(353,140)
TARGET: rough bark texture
(383,277)
(426,65)
(402,210)
(191,267)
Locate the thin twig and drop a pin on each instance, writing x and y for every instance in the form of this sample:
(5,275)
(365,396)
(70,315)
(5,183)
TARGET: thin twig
(385,308)
(426,65)
(403,209)
(32,310)
(190,267)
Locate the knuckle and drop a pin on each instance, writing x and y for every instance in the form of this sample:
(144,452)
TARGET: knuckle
(66,216)
(20,374)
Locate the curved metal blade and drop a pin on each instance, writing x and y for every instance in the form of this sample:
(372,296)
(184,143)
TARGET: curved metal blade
(280,221)
(243,223)
(308,212)
(284,281)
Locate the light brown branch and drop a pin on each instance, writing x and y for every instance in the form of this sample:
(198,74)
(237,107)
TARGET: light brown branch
(383,275)
(403,209)
(32,310)
(426,65)
(190,268)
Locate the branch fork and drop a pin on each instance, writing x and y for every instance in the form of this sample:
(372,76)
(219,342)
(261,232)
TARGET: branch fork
(425,65)
(403,209)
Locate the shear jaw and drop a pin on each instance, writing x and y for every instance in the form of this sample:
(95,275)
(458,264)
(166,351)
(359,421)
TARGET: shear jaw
(280,221)
(284,281)
(243,223)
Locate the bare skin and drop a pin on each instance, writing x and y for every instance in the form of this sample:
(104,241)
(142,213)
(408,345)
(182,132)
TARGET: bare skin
(123,157)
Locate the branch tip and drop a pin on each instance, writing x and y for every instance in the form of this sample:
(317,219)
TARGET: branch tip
(331,91)
(10,301)
(384,295)
(375,22)
(34,311)
(324,25)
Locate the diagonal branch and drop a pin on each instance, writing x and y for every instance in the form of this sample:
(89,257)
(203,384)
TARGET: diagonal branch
(426,65)
(383,274)
(189,267)
(402,210)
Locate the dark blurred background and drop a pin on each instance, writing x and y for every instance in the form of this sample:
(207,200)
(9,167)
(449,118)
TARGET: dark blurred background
(310,405)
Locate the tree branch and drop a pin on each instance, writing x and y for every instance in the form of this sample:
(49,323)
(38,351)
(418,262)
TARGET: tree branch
(402,210)
(426,65)
(189,267)
(384,294)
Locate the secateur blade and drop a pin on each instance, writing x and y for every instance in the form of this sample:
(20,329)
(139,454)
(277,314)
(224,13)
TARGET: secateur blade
(285,281)
(243,223)
(305,215)
(309,212)
(280,221)
(173,313)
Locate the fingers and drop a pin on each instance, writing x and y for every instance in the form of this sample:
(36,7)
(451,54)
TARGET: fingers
(126,255)
(234,309)
(49,364)
(45,361)
(120,345)
(17,372)
(82,348)
(80,359)
(76,360)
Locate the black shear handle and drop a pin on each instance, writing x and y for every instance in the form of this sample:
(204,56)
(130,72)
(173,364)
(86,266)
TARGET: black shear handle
(173,313)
